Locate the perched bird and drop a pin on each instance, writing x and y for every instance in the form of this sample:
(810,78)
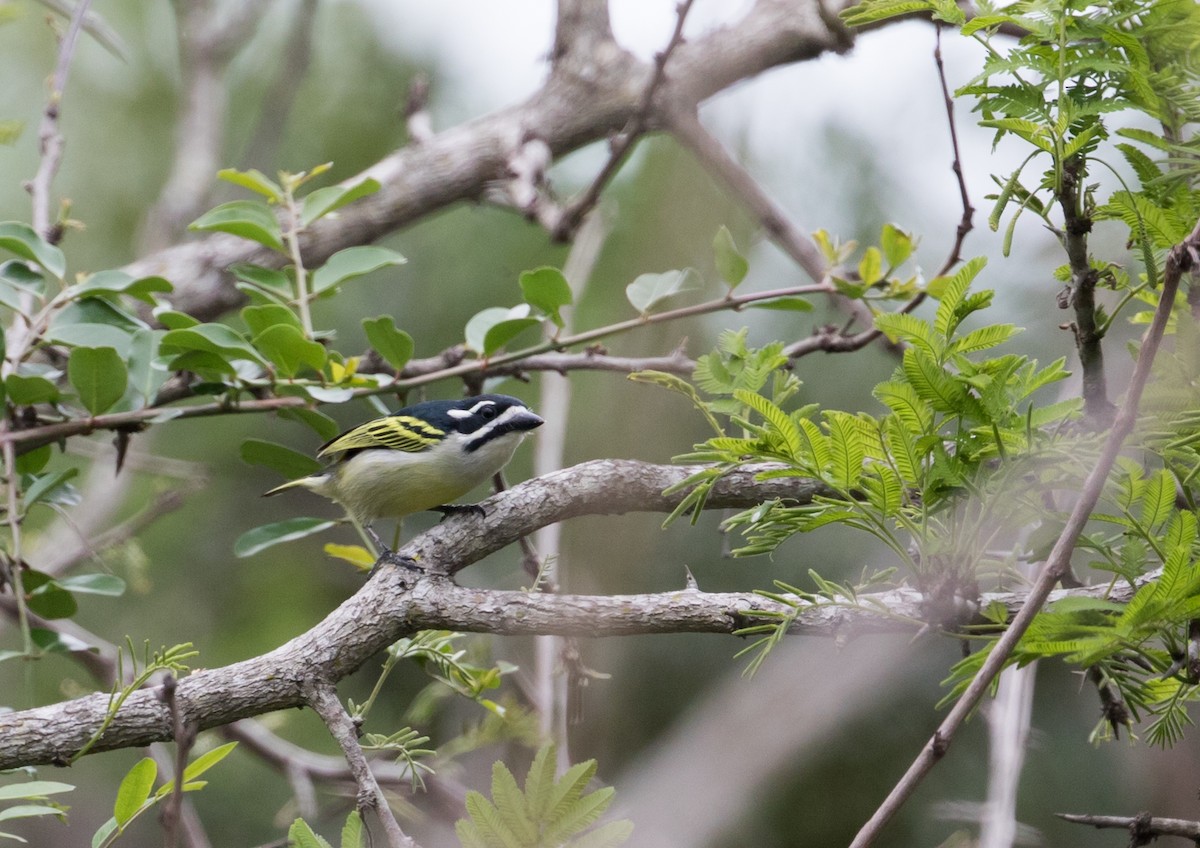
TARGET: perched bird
(419,458)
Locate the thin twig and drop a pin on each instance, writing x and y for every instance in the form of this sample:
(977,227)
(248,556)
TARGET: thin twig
(1142,827)
(831,339)
(324,701)
(184,733)
(1183,257)
(574,211)
(32,437)
(50,140)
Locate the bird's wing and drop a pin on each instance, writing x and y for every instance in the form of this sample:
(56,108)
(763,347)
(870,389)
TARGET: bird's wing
(396,432)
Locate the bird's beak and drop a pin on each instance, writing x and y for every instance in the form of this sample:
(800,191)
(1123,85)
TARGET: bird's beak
(526,420)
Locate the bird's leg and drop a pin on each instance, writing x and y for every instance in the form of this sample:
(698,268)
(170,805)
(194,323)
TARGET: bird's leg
(385,554)
(448,510)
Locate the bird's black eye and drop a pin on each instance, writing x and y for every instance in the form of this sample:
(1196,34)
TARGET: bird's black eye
(487,413)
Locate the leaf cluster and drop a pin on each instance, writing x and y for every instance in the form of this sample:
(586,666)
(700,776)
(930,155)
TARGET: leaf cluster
(549,811)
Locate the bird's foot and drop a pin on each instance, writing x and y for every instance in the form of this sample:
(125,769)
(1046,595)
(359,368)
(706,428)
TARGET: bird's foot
(390,557)
(448,510)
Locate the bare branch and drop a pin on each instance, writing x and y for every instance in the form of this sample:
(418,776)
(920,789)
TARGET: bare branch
(570,111)
(572,215)
(323,699)
(1143,828)
(50,140)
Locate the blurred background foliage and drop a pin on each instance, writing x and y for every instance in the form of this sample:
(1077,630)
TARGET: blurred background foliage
(844,143)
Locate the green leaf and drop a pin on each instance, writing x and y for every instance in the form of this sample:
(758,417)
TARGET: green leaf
(288,349)
(870,267)
(897,245)
(291,464)
(319,203)
(134,790)
(951,295)
(217,339)
(783,304)
(103,833)
(352,831)
(846,450)
(270,279)
(780,422)
(900,326)
(261,538)
(46,597)
(393,344)
(548,290)
(99,376)
(33,789)
(259,319)
(113,283)
(910,410)
(539,781)
(500,334)
(44,485)
(24,242)
(173,320)
(731,264)
(91,335)
(255,180)
(108,585)
(353,262)
(249,219)
(510,803)
(482,323)
(649,290)
(300,835)
(33,461)
(52,642)
(28,811)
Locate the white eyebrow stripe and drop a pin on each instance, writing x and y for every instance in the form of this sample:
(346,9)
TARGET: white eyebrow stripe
(459,413)
(477,407)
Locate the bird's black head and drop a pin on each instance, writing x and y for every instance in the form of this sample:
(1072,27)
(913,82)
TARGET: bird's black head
(480,418)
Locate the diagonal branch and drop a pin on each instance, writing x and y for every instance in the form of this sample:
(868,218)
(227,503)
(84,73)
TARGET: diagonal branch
(1184,257)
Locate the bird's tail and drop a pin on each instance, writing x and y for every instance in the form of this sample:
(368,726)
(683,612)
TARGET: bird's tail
(313,481)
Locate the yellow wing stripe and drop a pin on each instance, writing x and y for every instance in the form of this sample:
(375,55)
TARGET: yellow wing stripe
(397,432)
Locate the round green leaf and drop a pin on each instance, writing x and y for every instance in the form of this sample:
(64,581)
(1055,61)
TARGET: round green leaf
(99,376)
(59,643)
(394,345)
(24,242)
(353,262)
(261,318)
(211,338)
(118,282)
(547,289)
(498,335)
(261,538)
(46,597)
(731,264)
(482,322)
(253,179)
(648,290)
(27,390)
(249,219)
(286,347)
(321,202)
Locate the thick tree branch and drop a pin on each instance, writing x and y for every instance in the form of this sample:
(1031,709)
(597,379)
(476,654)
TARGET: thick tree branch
(397,601)
(572,109)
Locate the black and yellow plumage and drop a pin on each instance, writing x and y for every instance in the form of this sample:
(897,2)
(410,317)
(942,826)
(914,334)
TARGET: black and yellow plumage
(422,457)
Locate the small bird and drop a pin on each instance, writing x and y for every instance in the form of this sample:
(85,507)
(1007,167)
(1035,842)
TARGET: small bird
(419,458)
